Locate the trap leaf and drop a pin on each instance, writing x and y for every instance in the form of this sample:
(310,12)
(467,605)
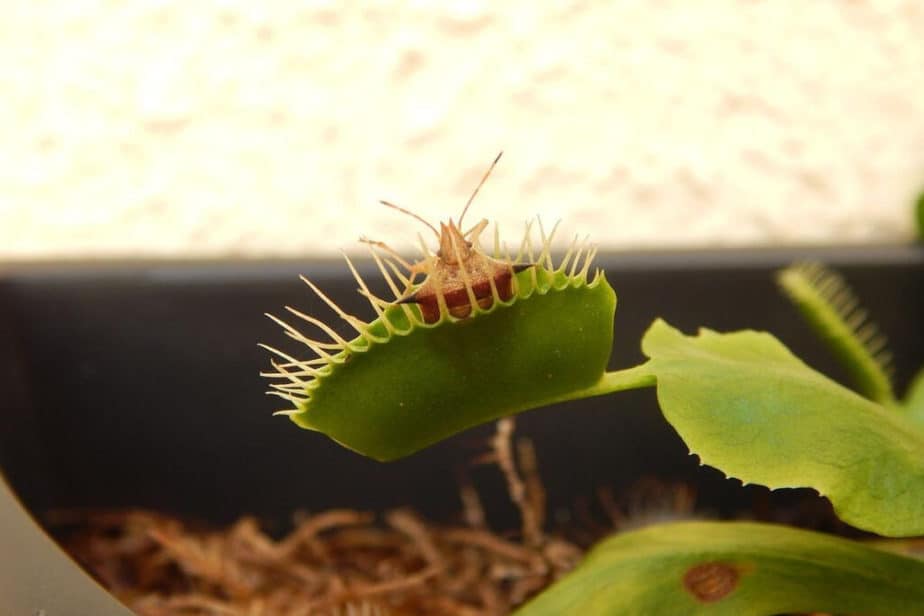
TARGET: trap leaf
(746,405)
(405,384)
(735,569)
(831,309)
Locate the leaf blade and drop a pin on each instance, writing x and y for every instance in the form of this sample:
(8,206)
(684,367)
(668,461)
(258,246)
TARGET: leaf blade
(746,405)
(768,569)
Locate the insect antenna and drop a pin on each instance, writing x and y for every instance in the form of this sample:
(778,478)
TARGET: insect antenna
(410,213)
(480,184)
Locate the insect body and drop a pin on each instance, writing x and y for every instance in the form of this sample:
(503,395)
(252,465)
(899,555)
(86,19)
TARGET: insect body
(459,275)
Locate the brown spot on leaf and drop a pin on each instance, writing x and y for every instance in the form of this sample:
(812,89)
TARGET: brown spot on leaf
(711,582)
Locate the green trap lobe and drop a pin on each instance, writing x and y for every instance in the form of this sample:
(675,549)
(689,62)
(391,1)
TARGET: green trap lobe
(420,387)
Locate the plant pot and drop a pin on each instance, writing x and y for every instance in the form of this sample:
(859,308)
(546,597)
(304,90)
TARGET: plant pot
(136,385)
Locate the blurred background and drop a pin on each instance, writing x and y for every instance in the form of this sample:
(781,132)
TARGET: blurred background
(234,128)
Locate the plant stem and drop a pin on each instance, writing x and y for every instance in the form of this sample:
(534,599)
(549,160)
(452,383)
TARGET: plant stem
(618,380)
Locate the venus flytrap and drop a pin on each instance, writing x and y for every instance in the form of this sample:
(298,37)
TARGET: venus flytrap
(480,338)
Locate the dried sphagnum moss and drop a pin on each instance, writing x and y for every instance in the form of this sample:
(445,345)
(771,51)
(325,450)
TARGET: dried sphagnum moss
(339,562)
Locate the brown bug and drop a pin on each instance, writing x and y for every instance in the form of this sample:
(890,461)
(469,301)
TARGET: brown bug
(459,274)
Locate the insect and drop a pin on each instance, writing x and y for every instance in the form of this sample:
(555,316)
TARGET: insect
(459,274)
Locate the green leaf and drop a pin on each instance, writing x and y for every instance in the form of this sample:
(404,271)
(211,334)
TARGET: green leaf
(392,392)
(735,569)
(747,406)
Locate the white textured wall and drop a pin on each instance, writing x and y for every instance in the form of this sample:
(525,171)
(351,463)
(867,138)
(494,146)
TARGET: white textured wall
(239,127)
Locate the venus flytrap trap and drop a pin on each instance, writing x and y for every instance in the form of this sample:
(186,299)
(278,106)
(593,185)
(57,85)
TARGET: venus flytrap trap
(483,337)
(832,310)
(834,313)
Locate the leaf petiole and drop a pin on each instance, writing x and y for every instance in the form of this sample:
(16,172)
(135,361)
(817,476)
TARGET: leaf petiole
(636,377)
